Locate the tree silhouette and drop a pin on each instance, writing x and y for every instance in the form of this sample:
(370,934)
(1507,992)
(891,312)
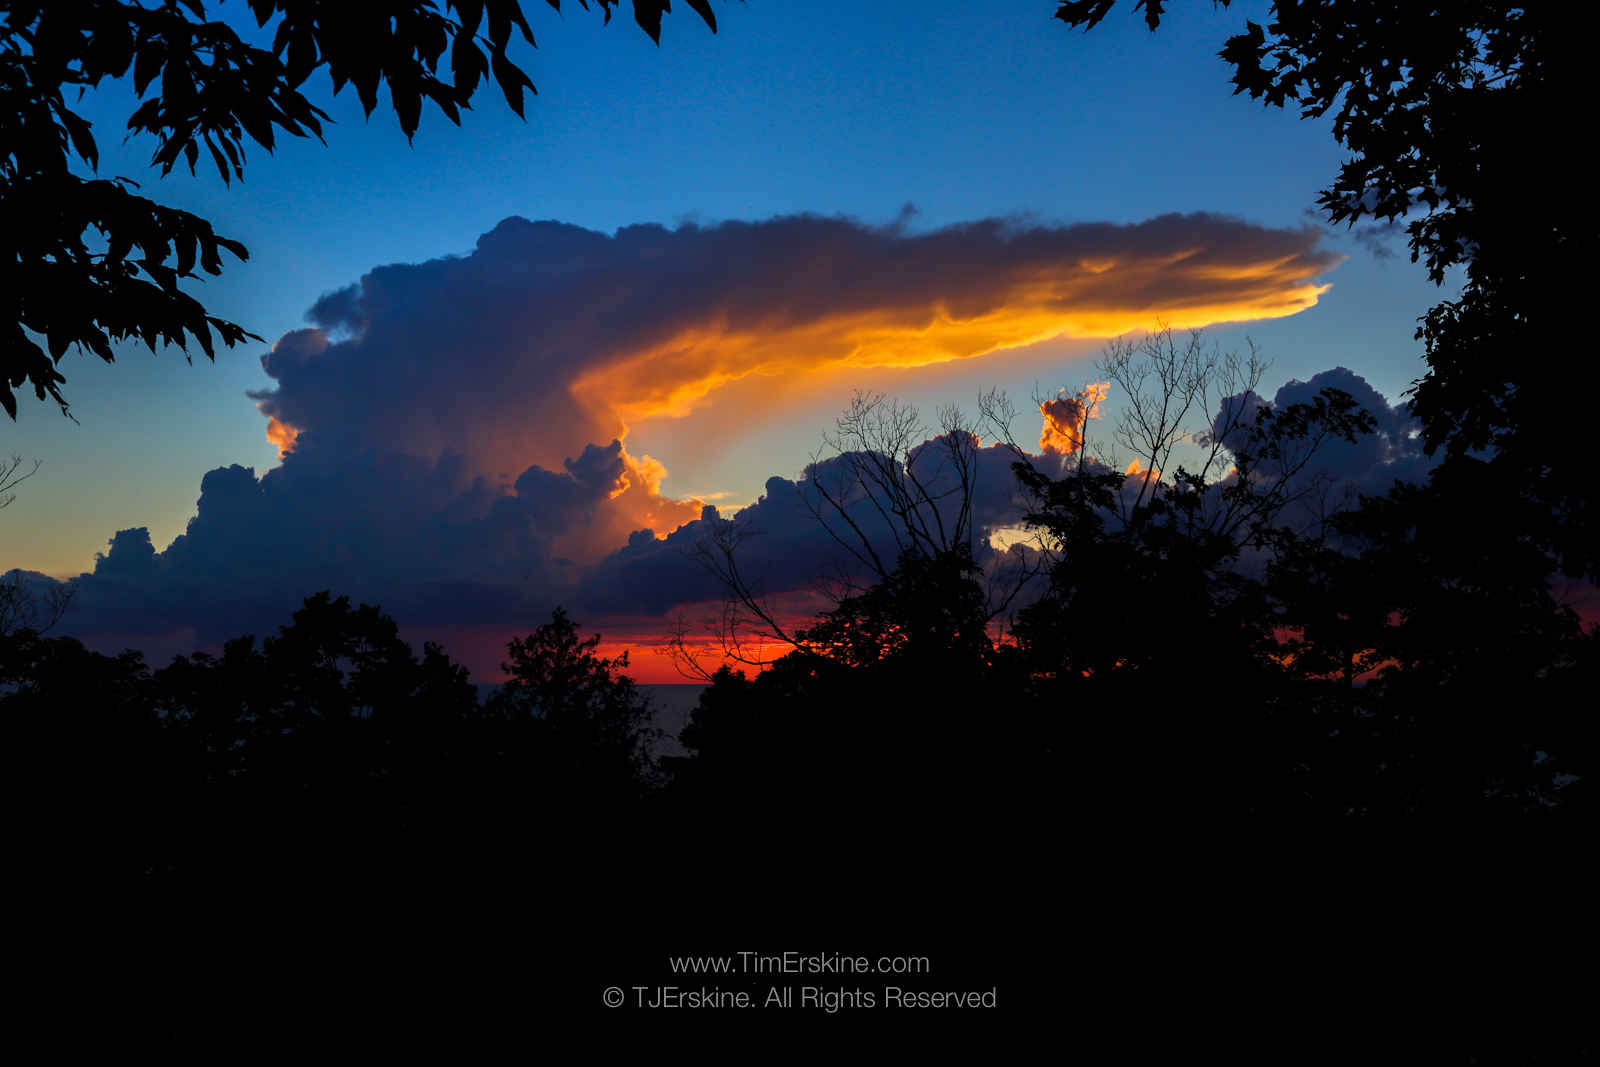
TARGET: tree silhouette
(328,745)
(24,605)
(1435,667)
(899,505)
(897,694)
(27,604)
(903,691)
(329,750)
(1446,111)
(588,725)
(88,262)
(1446,662)
(1156,626)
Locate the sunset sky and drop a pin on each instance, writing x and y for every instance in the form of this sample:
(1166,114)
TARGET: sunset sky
(696,251)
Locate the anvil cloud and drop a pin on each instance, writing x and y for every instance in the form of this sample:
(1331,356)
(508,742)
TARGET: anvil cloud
(549,337)
(455,433)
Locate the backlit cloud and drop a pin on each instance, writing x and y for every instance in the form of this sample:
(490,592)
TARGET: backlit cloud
(455,434)
(1066,418)
(548,337)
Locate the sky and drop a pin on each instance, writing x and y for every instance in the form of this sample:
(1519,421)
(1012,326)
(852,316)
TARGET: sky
(697,251)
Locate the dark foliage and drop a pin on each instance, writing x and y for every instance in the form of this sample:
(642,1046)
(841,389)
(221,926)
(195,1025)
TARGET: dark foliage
(328,747)
(1192,658)
(901,703)
(584,725)
(1453,115)
(1434,645)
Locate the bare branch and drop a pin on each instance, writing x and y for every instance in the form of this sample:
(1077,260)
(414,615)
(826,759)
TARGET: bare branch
(10,477)
(24,608)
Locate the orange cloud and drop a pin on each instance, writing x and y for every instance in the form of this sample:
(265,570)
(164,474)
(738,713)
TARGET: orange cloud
(637,505)
(282,435)
(548,338)
(1066,417)
(635,502)
(671,375)
(1140,471)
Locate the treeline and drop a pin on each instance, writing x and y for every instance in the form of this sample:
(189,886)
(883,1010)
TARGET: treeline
(1040,809)
(327,747)
(1409,660)
(1393,666)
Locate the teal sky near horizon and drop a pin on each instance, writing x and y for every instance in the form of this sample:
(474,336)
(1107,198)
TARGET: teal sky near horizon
(789,108)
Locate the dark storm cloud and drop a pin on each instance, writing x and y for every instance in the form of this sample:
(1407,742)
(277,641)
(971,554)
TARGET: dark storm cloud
(454,433)
(549,337)
(784,538)
(1370,464)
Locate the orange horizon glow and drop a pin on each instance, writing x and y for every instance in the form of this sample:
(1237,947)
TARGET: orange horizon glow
(482,650)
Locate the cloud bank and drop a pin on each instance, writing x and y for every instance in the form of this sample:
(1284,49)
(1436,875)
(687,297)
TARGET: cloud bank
(454,434)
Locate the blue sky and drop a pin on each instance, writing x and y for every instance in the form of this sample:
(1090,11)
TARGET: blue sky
(792,107)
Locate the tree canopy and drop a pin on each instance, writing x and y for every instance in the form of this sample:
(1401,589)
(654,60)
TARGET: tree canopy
(1454,118)
(88,262)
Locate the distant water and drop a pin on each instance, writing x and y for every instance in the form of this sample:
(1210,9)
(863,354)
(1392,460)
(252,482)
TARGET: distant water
(673,703)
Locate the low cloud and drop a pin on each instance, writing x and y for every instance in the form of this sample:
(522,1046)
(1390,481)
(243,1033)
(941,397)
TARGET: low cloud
(1371,463)
(451,555)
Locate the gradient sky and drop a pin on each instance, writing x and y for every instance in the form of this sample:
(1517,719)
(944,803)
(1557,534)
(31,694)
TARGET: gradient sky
(854,110)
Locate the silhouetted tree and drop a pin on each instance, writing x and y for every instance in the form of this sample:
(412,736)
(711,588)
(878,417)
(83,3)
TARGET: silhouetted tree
(1155,586)
(896,502)
(1451,673)
(1156,626)
(329,750)
(328,745)
(586,726)
(87,262)
(82,756)
(904,740)
(1437,668)
(1445,110)
(896,695)
(29,605)
(24,604)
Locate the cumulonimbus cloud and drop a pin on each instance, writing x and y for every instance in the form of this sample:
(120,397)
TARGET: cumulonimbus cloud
(548,337)
(454,433)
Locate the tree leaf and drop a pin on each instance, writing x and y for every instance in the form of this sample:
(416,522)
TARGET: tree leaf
(216,155)
(512,81)
(647,13)
(470,14)
(148,61)
(82,141)
(703,7)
